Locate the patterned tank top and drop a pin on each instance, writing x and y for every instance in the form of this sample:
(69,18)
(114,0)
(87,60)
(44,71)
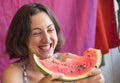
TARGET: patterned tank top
(25,73)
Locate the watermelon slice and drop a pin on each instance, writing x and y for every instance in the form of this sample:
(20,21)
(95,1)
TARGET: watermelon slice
(73,69)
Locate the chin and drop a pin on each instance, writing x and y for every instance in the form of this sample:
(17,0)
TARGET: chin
(46,56)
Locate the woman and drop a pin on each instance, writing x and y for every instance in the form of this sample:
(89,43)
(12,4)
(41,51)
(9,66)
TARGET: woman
(34,30)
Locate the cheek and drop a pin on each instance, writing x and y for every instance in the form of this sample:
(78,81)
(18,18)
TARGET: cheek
(35,40)
(32,45)
(55,38)
(56,42)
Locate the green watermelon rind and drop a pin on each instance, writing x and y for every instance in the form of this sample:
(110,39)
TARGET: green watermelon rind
(66,78)
(99,58)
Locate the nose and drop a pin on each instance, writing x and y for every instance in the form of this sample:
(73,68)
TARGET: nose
(46,38)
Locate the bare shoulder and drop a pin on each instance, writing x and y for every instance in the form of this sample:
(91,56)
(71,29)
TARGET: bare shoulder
(64,56)
(12,74)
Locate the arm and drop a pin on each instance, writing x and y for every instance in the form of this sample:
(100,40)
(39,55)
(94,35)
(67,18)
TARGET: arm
(11,75)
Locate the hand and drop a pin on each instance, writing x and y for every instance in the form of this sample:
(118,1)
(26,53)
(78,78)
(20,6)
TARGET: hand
(50,77)
(95,76)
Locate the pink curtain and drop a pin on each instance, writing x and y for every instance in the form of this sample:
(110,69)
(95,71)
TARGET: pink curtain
(77,19)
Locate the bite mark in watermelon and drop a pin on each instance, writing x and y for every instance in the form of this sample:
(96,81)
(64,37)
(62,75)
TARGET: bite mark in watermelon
(73,69)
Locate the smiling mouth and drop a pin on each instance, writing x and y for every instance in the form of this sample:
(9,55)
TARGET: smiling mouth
(45,48)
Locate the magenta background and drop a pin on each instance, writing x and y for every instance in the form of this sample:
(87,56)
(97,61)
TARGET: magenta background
(77,19)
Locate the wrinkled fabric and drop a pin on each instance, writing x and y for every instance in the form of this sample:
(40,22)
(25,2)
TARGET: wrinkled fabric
(106,26)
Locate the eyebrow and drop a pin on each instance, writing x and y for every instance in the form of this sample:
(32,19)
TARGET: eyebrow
(49,25)
(40,29)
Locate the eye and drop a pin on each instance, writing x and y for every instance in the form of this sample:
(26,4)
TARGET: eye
(36,33)
(51,30)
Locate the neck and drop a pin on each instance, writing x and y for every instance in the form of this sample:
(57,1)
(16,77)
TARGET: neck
(30,64)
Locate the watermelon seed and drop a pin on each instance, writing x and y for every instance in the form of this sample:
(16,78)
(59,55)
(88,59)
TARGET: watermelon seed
(89,64)
(71,71)
(79,69)
(96,66)
(71,66)
(88,55)
(82,66)
(65,64)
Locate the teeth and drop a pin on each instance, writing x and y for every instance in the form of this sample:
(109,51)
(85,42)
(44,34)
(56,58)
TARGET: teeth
(45,47)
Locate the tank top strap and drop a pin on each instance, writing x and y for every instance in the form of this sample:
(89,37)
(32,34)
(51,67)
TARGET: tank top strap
(24,72)
(56,56)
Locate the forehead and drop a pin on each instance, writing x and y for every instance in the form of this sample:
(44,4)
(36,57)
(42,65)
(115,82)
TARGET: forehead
(40,20)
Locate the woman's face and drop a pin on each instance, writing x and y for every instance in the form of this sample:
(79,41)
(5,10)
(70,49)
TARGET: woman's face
(43,39)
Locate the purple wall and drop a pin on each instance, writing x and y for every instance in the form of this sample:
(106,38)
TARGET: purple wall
(77,19)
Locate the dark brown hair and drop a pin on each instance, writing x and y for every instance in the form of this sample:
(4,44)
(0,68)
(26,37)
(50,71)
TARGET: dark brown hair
(19,30)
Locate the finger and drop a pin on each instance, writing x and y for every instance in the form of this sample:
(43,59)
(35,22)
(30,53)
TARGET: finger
(102,78)
(97,77)
(50,77)
(55,76)
(94,72)
(46,79)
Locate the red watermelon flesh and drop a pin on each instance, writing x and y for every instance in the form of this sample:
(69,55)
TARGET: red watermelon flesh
(73,69)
